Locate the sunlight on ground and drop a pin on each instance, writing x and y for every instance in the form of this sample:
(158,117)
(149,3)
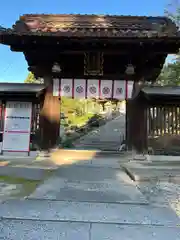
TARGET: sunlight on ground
(3,163)
(62,156)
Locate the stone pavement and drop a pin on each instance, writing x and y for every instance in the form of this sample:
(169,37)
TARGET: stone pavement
(87,200)
(156,168)
(158,179)
(106,137)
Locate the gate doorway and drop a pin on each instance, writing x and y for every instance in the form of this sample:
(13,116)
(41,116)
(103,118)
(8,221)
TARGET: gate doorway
(89,122)
(95,128)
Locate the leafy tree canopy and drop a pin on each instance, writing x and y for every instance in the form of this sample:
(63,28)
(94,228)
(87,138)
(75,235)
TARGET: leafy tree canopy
(31,79)
(170,74)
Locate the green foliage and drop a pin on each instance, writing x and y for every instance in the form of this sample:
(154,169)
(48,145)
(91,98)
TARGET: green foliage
(31,79)
(79,120)
(75,110)
(173,12)
(170,74)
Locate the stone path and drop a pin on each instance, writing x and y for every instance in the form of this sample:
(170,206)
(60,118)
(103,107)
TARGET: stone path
(106,137)
(92,200)
(158,180)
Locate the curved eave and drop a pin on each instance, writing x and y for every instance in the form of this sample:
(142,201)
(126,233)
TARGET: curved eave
(21,87)
(8,36)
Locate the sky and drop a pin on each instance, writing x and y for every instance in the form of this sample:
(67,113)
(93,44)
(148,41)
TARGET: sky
(13,67)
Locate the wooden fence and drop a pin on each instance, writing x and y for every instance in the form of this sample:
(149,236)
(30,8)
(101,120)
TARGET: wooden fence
(163,128)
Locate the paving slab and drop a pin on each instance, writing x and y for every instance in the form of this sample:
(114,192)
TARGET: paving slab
(112,162)
(108,191)
(116,232)
(83,183)
(163,158)
(106,162)
(141,172)
(88,212)
(73,172)
(30,173)
(31,230)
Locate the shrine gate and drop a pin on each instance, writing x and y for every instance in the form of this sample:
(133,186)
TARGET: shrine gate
(83,49)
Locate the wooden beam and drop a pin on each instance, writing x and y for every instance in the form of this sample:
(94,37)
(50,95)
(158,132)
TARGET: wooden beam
(74,47)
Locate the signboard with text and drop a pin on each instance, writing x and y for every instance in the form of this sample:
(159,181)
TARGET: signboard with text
(17,126)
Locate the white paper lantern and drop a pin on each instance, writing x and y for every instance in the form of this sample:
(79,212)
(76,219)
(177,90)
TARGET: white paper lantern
(130,69)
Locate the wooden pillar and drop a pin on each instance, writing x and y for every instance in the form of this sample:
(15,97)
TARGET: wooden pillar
(136,122)
(49,117)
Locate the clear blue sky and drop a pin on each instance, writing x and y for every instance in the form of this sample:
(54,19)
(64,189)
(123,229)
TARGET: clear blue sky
(13,67)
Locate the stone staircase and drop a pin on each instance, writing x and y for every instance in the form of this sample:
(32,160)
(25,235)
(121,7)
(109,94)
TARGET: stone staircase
(99,145)
(107,137)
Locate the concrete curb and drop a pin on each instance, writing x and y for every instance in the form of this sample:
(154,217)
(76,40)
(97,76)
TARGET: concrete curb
(150,173)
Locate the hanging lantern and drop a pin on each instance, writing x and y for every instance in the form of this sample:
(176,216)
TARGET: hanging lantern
(56,68)
(129,69)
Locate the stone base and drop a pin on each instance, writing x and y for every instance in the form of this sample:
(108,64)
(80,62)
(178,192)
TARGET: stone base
(151,170)
(140,157)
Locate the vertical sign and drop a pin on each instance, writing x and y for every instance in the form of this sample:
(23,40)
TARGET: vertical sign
(80,88)
(106,89)
(66,88)
(93,88)
(130,85)
(17,126)
(119,91)
(56,87)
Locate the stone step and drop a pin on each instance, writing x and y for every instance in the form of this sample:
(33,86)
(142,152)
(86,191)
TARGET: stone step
(139,172)
(99,144)
(97,148)
(88,212)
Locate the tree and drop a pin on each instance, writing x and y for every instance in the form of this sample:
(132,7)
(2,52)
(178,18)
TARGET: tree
(170,74)
(31,79)
(173,12)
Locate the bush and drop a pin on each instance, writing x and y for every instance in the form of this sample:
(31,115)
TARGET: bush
(96,121)
(67,144)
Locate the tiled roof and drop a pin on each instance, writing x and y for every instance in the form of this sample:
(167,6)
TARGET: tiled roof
(94,26)
(21,87)
(162,91)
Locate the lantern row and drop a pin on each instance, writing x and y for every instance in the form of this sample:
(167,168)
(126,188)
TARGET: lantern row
(92,88)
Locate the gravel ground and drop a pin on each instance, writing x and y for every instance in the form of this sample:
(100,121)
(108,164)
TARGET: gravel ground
(16,187)
(162,194)
(8,190)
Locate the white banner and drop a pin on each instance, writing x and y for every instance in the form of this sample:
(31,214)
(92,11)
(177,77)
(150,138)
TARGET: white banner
(93,88)
(79,88)
(130,89)
(16,142)
(119,91)
(56,86)
(66,87)
(106,89)
(17,126)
